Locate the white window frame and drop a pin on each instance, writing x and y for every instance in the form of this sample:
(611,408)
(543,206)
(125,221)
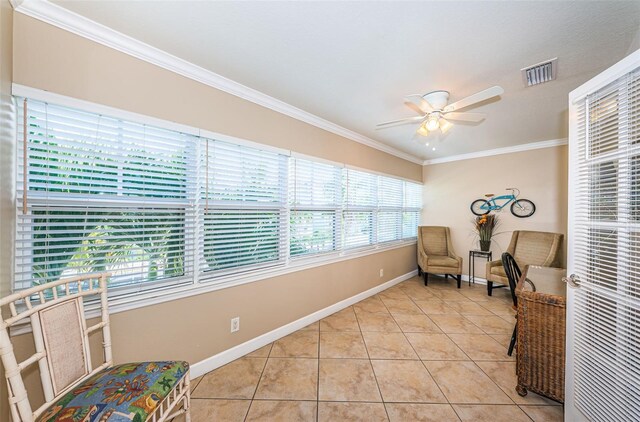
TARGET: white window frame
(198,283)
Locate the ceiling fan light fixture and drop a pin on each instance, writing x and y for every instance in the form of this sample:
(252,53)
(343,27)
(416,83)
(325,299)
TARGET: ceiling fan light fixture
(432,123)
(422,130)
(445,126)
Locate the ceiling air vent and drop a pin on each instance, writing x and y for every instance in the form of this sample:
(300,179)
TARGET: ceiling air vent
(540,73)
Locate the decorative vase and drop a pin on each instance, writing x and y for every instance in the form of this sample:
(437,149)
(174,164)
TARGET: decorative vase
(485,245)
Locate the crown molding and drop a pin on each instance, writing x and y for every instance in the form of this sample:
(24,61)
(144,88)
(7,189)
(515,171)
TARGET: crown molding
(72,22)
(498,151)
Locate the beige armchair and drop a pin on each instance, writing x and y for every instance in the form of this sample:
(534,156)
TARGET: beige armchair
(435,253)
(528,248)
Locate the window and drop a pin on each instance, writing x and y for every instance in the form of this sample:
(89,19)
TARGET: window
(360,208)
(316,194)
(390,194)
(412,208)
(100,194)
(158,207)
(244,207)
(379,209)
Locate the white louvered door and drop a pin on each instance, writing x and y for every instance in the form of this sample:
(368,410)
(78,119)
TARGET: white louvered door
(603,311)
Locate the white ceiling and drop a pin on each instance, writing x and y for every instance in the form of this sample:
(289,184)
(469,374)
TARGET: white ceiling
(352,62)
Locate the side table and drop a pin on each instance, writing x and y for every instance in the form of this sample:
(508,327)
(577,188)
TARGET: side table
(473,254)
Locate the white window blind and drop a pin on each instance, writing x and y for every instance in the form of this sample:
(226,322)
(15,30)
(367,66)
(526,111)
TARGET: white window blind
(607,252)
(412,207)
(157,207)
(316,203)
(390,207)
(359,223)
(243,208)
(101,194)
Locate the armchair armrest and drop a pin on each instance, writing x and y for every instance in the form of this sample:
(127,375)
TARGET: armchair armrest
(552,258)
(450,251)
(422,255)
(490,265)
(494,263)
(457,258)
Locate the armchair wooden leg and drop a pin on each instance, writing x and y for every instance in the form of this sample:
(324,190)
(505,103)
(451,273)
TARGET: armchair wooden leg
(489,287)
(426,278)
(419,271)
(446,276)
(459,277)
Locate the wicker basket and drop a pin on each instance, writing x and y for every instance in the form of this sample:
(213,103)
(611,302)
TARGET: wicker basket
(541,343)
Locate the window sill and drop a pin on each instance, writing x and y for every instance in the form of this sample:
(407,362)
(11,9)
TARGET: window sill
(206,285)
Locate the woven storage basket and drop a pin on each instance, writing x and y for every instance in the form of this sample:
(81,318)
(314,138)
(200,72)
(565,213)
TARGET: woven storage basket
(541,343)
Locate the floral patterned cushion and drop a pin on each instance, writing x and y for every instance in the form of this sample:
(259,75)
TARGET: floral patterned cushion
(128,392)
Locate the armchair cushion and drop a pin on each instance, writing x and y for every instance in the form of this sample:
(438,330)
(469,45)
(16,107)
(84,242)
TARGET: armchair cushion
(442,261)
(125,392)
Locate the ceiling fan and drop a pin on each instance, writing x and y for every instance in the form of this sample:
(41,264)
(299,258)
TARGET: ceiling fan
(435,113)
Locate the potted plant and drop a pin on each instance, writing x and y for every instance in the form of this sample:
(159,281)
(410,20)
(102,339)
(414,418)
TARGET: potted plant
(485,226)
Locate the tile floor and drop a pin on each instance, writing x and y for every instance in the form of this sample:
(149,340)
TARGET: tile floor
(410,353)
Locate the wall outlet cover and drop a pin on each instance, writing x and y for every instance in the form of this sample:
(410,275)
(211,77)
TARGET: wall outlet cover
(235,324)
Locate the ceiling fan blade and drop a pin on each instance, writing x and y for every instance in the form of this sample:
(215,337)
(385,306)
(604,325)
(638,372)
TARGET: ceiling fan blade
(400,122)
(475,98)
(416,101)
(466,117)
(414,107)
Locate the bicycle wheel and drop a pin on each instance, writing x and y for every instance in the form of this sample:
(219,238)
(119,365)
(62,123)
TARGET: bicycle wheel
(476,207)
(523,208)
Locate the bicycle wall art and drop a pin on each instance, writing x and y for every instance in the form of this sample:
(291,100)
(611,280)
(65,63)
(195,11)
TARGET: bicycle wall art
(520,207)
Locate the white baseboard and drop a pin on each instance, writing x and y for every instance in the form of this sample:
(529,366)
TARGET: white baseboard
(222,358)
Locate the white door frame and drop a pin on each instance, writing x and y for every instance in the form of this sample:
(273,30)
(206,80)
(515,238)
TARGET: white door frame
(626,65)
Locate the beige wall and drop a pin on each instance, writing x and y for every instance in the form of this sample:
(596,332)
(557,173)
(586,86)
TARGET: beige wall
(449,189)
(197,327)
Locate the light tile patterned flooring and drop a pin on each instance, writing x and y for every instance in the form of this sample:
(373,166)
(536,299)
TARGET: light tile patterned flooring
(410,353)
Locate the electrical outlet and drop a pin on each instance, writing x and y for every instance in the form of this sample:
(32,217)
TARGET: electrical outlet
(381,272)
(235,324)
